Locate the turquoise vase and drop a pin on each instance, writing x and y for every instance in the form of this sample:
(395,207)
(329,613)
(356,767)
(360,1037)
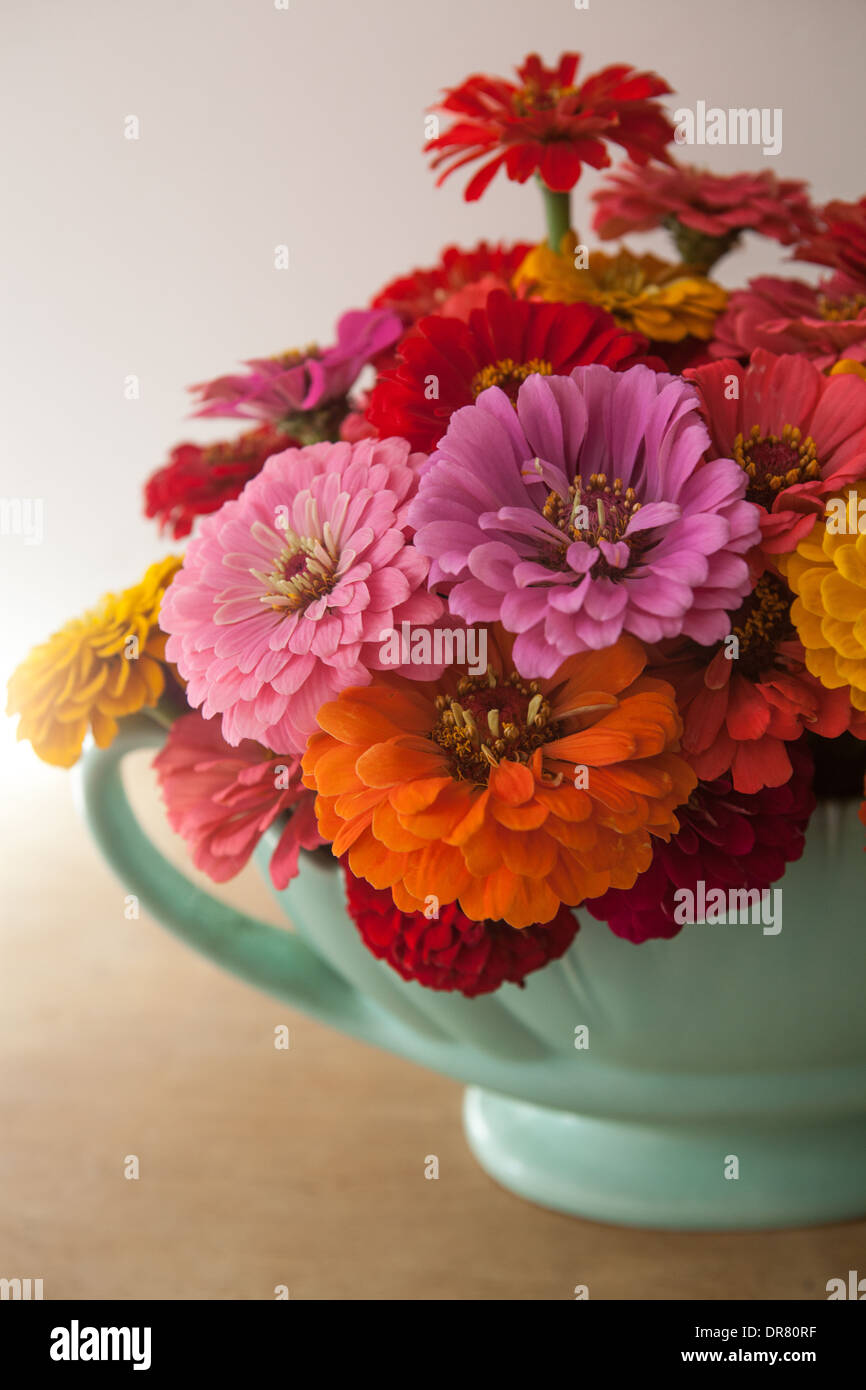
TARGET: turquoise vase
(715,1081)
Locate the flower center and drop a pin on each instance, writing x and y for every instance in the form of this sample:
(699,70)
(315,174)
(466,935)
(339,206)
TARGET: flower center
(592,512)
(773,462)
(294,356)
(492,718)
(508,374)
(303,571)
(762,623)
(841,307)
(534,97)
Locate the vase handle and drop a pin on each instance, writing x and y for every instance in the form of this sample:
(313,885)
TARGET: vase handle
(272,958)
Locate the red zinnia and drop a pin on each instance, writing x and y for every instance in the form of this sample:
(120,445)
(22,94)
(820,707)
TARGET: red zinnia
(450,951)
(445,363)
(726,839)
(198,478)
(427,291)
(742,707)
(549,126)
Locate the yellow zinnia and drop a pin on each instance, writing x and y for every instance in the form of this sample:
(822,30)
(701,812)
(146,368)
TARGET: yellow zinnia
(827,572)
(96,669)
(663,301)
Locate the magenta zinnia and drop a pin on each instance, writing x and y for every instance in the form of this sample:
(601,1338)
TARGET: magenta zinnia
(287,389)
(586,512)
(285,593)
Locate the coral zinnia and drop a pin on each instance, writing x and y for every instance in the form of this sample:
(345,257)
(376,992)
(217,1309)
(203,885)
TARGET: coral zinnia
(449,951)
(466,789)
(549,126)
(93,671)
(304,392)
(746,701)
(726,840)
(586,512)
(705,212)
(798,434)
(445,363)
(823,322)
(285,594)
(666,302)
(198,478)
(222,799)
(423,292)
(827,572)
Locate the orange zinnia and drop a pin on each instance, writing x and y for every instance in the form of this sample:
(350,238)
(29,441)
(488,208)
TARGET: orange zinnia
(509,796)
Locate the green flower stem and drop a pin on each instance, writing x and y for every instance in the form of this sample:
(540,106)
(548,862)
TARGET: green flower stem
(163,713)
(557,208)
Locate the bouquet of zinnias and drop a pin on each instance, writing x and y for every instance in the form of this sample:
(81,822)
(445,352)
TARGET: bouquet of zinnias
(544,586)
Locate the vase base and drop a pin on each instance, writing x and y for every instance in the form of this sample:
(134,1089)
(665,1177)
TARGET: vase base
(671,1176)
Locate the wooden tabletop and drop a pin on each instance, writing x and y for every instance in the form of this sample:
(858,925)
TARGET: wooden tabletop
(258,1167)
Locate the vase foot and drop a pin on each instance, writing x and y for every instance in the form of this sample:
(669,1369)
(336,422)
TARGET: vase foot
(671,1176)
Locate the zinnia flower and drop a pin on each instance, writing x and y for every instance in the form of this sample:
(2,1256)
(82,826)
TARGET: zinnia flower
(823,322)
(840,241)
(466,789)
(549,126)
(666,302)
(450,952)
(198,478)
(304,392)
(221,800)
(93,671)
(798,434)
(286,593)
(423,292)
(586,512)
(827,572)
(744,703)
(705,212)
(445,363)
(726,840)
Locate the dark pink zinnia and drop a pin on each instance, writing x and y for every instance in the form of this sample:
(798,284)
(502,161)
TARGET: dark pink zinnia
(632,199)
(824,322)
(727,839)
(221,800)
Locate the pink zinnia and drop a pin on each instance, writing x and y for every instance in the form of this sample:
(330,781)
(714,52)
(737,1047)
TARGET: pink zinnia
(799,435)
(279,388)
(633,199)
(823,322)
(222,800)
(286,593)
(586,512)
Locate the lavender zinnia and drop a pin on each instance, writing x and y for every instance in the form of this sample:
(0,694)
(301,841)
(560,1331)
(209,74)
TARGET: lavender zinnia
(587,511)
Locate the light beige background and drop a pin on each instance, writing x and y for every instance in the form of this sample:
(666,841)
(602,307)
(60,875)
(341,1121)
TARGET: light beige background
(261,127)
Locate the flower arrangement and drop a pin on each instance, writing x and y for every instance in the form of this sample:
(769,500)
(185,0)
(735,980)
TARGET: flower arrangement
(543,588)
